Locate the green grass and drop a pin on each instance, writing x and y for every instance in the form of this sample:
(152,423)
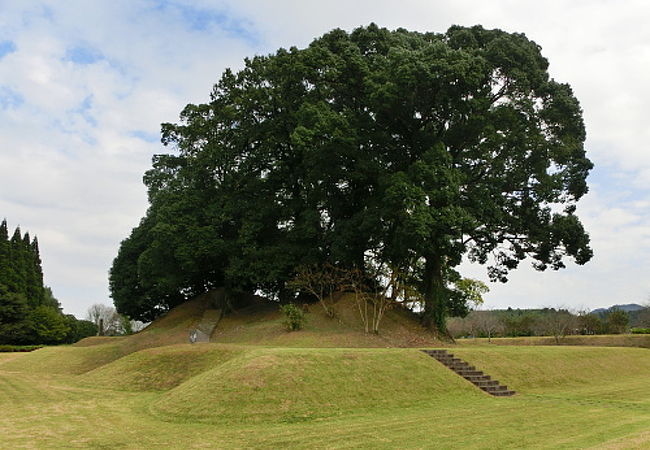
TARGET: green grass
(19,348)
(213,395)
(159,369)
(313,388)
(286,385)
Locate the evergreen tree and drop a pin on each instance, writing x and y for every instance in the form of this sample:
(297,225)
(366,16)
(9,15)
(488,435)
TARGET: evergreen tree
(29,313)
(17,280)
(14,310)
(35,290)
(4,253)
(46,325)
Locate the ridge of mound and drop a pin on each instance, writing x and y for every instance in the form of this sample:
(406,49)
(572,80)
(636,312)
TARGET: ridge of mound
(297,384)
(159,368)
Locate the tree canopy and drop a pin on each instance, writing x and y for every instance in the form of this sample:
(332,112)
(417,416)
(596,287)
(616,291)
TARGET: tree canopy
(409,149)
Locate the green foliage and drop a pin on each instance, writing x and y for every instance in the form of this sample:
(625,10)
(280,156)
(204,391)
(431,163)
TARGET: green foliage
(518,323)
(376,147)
(640,330)
(590,324)
(20,265)
(617,321)
(294,317)
(29,312)
(47,326)
(472,290)
(78,329)
(19,348)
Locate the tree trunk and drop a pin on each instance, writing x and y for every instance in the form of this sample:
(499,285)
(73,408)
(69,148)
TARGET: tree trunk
(435,295)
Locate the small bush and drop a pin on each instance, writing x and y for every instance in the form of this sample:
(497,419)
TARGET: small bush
(294,317)
(640,330)
(19,348)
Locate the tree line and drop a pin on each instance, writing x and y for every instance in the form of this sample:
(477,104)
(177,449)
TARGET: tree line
(29,312)
(369,151)
(556,322)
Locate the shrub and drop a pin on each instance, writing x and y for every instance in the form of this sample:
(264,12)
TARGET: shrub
(19,348)
(294,317)
(640,330)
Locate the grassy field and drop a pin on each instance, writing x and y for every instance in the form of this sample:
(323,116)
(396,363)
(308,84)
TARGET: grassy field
(329,385)
(224,395)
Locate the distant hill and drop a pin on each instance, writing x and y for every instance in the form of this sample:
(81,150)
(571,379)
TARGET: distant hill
(627,308)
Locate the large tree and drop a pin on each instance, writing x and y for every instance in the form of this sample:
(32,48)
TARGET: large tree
(412,149)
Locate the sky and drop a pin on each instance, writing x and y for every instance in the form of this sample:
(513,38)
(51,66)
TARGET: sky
(84,87)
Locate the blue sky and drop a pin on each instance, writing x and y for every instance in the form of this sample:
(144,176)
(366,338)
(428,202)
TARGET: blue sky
(85,85)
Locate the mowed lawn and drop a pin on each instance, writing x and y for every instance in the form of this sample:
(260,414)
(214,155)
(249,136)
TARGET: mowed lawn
(213,395)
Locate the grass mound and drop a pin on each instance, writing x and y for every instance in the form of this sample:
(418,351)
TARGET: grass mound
(159,368)
(292,385)
(65,359)
(90,353)
(262,324)
(233,396)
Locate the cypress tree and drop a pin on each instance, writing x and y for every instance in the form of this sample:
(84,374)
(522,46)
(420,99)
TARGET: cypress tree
(37,287)
(33,282)
(4,252)
(16,281)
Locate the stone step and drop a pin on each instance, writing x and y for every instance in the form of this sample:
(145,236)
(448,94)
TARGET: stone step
(435,352)
(455,363)
(503,393)
(476,377)
(482,383)
(460,368)
(494,388)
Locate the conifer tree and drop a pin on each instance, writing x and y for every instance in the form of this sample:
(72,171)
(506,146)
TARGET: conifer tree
(34,271)
(4,252)
(29,312)
(16,281)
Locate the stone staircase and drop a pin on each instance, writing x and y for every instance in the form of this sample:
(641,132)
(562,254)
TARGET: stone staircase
(206,326)
(470,373)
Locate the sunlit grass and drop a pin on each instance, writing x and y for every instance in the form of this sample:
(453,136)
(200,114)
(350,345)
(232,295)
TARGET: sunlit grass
(211,395)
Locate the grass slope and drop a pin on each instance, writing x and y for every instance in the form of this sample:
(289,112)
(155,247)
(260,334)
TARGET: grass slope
(262,324)
(94,352)
(159,368)
(304,398)
(153,390)
(271,385)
